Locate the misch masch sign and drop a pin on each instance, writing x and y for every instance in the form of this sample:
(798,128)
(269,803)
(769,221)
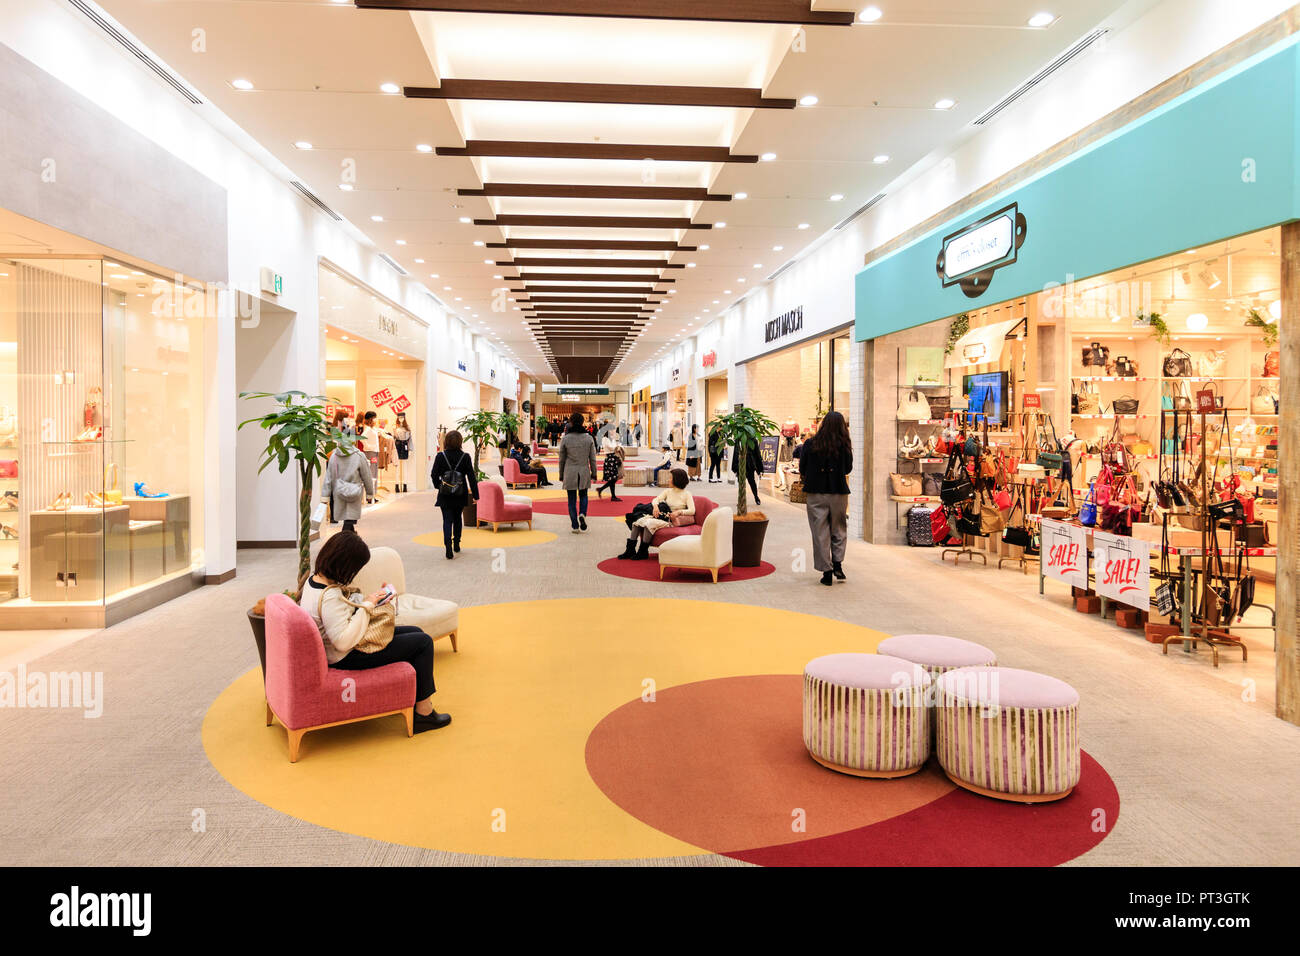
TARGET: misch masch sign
(784,325)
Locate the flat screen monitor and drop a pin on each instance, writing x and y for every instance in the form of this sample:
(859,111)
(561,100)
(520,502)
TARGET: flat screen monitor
(988,393)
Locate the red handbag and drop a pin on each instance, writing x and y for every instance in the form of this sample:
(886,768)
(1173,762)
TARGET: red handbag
(939,526)
(1273,364)
(8,469)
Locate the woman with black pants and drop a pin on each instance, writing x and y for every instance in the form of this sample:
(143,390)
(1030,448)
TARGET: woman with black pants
(611,473)
(824,466)
(577,469)
(753,463)
(716,450)
(343,618)
(452,501)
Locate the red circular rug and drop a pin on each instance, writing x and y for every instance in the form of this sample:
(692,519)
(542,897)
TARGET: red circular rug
(648,570)
(596,507)
(721,764)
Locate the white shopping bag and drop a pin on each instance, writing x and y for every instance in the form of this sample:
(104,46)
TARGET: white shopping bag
(318,515)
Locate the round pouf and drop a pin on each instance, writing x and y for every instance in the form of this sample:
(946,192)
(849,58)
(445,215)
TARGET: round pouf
(937,653)
(866,714)
(1008,733)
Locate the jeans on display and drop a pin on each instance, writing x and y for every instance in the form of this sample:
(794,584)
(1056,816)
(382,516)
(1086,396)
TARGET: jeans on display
(452,524)
(577,504)
(409,644)
(828,519)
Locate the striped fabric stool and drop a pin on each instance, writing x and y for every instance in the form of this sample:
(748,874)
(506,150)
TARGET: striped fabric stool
(936,653)
(1008,733)
(866,714)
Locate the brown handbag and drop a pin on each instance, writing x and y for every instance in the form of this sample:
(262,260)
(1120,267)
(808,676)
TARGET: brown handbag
(383,621)
(906,486)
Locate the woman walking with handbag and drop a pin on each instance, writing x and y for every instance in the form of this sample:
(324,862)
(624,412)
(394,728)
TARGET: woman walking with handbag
(454,477)
(350,625)
(824,467)
(693,453)
(577,467)
(348,484)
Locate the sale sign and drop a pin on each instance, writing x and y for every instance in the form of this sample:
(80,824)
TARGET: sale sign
(1033,401)
(381,398)
(1065,552)
(400,404)
(1123,569)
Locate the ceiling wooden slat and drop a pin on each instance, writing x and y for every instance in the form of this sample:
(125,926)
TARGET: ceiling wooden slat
(594,263)
(536,299)
(627,245)
(624,94)
(729,11)
(539,291)
(549,191)
(520,149)
(596,222)
(588,277)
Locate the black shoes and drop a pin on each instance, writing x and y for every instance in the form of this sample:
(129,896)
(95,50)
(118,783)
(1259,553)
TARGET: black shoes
(432,721)
(582,522)
(456,546)
(643,552)
(838,571)
(612,498)
(629,551)
(449,554)
(826,578)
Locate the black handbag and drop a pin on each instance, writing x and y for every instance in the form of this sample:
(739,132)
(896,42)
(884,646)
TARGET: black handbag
(1096,354)
(638,511)
(1178,364)
(931,486)
(1125,406)
(956,486)
(968,519)
(1125,367)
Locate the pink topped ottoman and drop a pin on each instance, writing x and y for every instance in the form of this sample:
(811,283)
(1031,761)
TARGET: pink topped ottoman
(1008,733)
(937,653)
(866,714)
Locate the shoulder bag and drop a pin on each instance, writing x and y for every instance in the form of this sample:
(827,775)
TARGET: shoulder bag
(1125,405)
(1096,354)
(347,489)
(1263,402)
(913,407)
(1125,367)
(383,621)
(1211,363)
(906,486)
(957,486)
(1089,398)
(1178,364)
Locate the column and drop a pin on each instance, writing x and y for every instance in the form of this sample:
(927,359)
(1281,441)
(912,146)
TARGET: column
(1288,469)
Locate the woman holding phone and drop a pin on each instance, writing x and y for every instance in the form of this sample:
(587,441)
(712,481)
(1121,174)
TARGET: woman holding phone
(343,620)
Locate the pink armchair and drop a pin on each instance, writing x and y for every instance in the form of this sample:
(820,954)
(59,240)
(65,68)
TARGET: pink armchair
(304,693)
(515,477)
(493,508)
(703,508)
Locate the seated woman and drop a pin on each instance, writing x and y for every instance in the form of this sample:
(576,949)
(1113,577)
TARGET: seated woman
(667,463)
(342,625)
(523,455)
(673,501)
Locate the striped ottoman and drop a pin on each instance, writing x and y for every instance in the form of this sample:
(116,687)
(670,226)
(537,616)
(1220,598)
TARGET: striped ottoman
(866,714)
(1008,733)
(937,653)
(634,477)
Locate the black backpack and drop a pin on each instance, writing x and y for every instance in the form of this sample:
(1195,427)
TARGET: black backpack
(453,479)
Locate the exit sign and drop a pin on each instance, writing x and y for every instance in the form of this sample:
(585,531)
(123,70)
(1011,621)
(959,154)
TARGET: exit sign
(272,282)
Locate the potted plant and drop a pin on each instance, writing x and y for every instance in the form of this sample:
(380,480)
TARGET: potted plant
(1266,324)
(480,428)
(299,433)
(744,429)
(1159,328)
(508,423)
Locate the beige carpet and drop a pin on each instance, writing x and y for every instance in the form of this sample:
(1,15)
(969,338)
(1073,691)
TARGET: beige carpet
(1205,776)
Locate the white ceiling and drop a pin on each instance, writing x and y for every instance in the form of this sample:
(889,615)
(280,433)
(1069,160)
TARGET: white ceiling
(317,67)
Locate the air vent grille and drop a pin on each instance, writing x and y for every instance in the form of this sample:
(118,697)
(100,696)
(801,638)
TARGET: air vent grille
(1042,75)
(171,79)
(393,264)
(870,202)
(315,200)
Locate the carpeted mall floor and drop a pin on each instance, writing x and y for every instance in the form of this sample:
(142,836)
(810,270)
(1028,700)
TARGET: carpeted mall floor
(553,754)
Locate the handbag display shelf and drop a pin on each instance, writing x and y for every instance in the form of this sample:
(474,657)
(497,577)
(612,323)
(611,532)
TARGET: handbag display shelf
(918,461)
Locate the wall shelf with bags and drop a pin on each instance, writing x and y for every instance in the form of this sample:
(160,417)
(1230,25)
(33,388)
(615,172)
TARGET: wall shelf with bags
(920,452)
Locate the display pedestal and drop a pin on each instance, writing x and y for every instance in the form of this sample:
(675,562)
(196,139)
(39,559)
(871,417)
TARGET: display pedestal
(79,554)
(174,514)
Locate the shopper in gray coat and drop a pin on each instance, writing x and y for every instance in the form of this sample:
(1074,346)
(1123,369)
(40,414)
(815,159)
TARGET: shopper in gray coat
(577,466)
(348,483)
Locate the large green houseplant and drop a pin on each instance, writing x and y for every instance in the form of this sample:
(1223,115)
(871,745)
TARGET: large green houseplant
(480,429)
(744,430)
(298,434)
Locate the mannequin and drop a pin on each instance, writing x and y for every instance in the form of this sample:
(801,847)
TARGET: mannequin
(402,441)
(789,433)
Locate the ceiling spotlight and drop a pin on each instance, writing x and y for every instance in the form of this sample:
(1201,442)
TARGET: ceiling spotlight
(302,144)
(479,242)
(768,157)
(242,84)
(1211,280)
(944,104)
(808,100)
(870,15)
(1042,19)
(836,197)
(719,225)
(1187,276)
(881,159)
(419,262)
(424,147)
(704,248)
(346,187)
(804,225)
(389,88)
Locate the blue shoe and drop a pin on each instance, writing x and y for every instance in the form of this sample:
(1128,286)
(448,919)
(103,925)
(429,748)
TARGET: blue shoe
(142,491)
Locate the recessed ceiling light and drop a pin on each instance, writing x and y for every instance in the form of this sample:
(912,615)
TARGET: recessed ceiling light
(389,88)
(808,100)
(466,220)
(376,218)
(242,84)
(690,265)
(446,288)
(704,248)
(870,15)
(944,104)
(881,159)
(433,275)
(1042,19)
(479,242)
(424,147)
(346,187)
(804,225)
(419,262)
(768,157)
(302,144)
(741,196)
(401,242)
(777,248)
(719,225)
(487,262)
(836,197)
(726,292)
(758,265)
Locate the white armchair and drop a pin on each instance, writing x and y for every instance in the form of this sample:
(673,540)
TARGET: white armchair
(505,490)
(710,550)
(435,617)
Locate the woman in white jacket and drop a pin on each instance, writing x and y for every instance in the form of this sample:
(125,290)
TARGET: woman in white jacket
(343,624)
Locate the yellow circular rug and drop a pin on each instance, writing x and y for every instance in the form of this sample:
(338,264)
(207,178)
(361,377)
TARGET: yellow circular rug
(531,683)
(474,539)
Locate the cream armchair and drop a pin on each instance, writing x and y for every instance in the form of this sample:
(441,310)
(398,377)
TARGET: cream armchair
(505,490)
(435,617)
(710,550)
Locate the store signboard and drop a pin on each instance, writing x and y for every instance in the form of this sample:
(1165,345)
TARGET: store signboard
(767,451)
(585,390)
(970,255)
(710,359)
(1065,553)
(348,410)
(1123,569)
(783,325)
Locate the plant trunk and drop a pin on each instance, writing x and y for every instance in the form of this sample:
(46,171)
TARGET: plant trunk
(742,462)
(304,521)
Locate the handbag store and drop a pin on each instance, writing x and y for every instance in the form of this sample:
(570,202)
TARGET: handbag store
(1132,424)
(101,451)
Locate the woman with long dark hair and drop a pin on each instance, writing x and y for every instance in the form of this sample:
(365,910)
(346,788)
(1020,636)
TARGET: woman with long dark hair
(455,480)
(824,467)
(577,468)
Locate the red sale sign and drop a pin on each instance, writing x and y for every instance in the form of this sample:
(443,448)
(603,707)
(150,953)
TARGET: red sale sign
(400,404)
(381,398)
(1123,569)
(1065,552)
(1033,401)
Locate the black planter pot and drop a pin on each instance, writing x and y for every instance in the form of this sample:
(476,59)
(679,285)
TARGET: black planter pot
(747,543)
(258,623)
(469,517)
